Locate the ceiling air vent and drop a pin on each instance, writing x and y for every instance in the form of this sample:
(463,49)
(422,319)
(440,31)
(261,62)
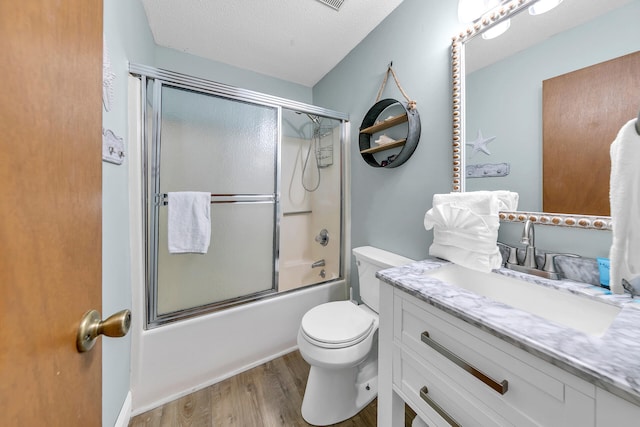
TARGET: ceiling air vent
(334,4)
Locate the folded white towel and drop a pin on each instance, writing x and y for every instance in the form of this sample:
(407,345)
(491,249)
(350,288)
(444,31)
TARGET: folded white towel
(507,200)
(624,196)
(384,139)
(189,222)
(467,258)
(466,227)
(481,202)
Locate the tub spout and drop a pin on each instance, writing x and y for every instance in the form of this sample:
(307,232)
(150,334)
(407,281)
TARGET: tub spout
(319,263)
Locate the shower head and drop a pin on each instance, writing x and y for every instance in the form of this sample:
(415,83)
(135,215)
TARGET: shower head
(314,119)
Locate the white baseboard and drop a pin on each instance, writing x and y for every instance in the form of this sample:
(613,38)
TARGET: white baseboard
(125,412)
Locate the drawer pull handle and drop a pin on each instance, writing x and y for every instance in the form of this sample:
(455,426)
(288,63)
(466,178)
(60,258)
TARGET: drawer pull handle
(448,418)
(500,387)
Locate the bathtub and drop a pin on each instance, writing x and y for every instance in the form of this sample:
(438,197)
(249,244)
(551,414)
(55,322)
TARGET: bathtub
(179,358)
(176,359)
(296,274)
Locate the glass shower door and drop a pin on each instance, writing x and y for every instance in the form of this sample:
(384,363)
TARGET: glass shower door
(229,148)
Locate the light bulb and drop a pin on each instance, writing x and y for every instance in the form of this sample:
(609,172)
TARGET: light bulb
(496,30)
(542,6)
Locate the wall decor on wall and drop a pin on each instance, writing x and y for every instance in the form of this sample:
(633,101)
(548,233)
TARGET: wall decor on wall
(112,147)
(400,123)
(488,170)
(480,144)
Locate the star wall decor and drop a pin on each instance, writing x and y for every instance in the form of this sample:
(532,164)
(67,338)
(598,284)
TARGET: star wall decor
(480,144)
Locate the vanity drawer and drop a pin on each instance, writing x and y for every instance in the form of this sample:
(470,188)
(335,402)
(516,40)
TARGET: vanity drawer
(435,399)
(477,364)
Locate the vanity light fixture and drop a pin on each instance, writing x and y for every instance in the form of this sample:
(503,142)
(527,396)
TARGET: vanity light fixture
(470,11)
(496,30)
(542,6)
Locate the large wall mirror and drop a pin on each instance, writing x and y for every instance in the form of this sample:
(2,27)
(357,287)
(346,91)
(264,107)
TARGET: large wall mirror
(498,98)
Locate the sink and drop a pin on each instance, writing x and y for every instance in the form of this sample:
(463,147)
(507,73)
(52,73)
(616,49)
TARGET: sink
(574,311)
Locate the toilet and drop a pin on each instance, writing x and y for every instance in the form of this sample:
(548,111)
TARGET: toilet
(340,341)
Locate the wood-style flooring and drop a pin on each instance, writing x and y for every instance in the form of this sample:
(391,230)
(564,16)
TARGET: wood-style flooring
(265,396)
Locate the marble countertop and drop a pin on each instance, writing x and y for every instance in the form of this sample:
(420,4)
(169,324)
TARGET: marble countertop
(611,361)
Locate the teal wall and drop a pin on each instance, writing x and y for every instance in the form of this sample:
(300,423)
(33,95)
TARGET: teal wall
(388,205)
(128,38)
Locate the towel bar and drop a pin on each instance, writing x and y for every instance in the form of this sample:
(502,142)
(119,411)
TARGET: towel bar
(229,198)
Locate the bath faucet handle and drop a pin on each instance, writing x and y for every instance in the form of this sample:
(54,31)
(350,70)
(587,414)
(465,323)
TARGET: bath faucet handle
(512,258)
(550,258)
(323,237)
(627,287)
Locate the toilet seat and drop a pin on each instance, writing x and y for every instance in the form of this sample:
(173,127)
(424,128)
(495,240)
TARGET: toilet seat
(337,324)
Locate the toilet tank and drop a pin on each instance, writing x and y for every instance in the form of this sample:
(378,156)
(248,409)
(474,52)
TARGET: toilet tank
(370,260)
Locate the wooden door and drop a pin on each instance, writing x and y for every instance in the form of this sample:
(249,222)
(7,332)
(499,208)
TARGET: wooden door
(582,113)
(50,210)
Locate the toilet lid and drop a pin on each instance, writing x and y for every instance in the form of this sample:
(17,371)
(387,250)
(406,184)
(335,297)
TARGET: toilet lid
(337,324)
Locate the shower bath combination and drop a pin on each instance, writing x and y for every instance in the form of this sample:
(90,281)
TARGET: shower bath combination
(270,216)
(312,203)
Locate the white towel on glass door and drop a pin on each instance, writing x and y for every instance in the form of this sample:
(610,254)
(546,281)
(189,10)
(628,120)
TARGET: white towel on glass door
(189,222)
(624,194)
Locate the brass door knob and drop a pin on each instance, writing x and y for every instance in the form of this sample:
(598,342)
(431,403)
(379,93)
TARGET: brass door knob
(91,326)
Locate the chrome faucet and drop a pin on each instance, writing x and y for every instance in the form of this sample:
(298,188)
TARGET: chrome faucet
(319,263)
(528,239)
(530,264)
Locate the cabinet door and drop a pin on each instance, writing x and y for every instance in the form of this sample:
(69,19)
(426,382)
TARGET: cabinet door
(612,410)
(531,383)
(438,400)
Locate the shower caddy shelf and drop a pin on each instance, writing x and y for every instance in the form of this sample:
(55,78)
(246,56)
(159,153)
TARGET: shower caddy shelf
(369,127)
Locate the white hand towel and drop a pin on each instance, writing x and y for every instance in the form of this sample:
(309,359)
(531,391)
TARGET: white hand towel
(189,222)
(624,195)
(508,200)
(466,227)
(481,202)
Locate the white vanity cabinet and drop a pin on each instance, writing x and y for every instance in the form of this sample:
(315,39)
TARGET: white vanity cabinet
(454,373)
(614,411)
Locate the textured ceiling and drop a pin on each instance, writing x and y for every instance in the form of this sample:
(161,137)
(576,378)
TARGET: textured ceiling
(295,40)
